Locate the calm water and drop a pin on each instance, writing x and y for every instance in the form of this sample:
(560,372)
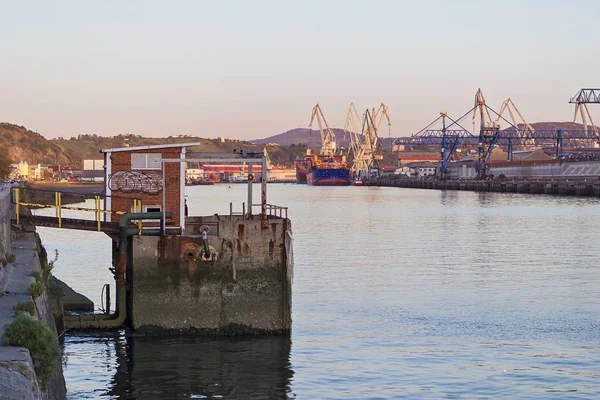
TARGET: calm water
(398,293)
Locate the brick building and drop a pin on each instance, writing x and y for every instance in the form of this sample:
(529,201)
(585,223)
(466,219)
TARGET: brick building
(139,173)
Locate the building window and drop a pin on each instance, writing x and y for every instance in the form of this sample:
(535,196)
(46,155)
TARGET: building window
(146,160)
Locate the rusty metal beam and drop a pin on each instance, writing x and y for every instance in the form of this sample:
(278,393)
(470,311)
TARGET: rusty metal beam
(70,223)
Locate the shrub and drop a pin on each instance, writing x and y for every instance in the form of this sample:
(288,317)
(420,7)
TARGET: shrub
(36,289)
(36,337)
(25,306)
(11,258)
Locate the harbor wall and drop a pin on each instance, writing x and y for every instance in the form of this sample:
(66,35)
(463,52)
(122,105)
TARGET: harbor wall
(565,187)
(18,378)
(5,213)
(535,170)
(242,286)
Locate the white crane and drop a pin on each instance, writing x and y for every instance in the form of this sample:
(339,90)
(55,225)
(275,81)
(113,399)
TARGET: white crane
(328,144)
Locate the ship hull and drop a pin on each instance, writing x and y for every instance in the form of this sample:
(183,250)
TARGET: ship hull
(328,177)
(301,168)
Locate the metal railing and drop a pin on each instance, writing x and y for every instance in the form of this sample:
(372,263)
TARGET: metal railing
(58,206)
(270,209)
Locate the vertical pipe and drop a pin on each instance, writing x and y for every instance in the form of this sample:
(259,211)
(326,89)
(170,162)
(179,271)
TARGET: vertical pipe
(250,180)
(107,298)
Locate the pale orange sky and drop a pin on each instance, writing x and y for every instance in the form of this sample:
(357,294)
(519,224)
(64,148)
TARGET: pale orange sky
(254,69)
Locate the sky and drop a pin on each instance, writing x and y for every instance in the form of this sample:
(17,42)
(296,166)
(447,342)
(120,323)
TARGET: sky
(252,69)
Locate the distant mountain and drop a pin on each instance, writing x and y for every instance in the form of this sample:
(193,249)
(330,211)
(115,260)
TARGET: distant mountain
(542,126)
(305,137)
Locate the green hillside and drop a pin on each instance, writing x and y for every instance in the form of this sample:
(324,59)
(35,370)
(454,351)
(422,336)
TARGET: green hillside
(26,145)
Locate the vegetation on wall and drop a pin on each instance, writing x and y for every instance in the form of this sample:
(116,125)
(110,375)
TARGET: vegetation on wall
(35,336)
(5,162)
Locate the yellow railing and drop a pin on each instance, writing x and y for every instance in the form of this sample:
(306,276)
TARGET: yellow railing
(58,206)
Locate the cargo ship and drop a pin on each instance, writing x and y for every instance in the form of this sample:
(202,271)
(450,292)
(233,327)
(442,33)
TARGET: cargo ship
(328,171)
(327,168)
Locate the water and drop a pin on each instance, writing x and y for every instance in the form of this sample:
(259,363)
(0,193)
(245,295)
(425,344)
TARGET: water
(398,293)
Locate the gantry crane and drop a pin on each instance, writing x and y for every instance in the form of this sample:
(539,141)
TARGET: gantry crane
(449,137)
(581,99)
(328,144)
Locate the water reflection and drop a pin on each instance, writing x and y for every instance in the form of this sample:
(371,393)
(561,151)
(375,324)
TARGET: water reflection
(154,367)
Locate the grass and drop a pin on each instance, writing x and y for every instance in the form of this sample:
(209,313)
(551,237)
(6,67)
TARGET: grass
(11,258)
(25,306)
(36,337)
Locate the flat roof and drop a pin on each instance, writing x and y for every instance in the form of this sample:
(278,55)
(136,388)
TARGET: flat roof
(155,146)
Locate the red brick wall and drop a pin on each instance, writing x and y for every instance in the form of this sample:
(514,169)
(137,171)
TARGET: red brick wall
(123,200)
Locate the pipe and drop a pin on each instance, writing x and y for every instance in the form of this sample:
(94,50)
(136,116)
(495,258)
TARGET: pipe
(100,321)
(103,321)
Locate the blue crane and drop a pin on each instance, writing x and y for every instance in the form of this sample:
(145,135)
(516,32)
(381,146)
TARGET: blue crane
(450,137)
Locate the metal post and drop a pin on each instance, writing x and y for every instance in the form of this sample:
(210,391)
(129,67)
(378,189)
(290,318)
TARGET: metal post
(559,142)
(164,199)
(443,163)
(139,209)
(58,209)
(98,212)
(17,201)
(250,180)
(263,186)
(510,150)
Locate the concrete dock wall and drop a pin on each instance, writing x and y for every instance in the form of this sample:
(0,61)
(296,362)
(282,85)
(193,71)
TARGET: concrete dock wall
(18,379)
(585,187)
(5,214)
(243,286)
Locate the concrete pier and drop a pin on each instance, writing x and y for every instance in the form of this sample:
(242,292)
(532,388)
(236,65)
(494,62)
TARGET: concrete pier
(586,188)
(241,285)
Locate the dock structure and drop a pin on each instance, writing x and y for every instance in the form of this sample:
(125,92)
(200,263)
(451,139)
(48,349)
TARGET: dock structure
(584,187)
(216,274)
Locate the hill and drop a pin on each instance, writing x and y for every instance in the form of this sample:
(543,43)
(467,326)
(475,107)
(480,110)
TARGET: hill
(543,126)
(305,137)
(23,144)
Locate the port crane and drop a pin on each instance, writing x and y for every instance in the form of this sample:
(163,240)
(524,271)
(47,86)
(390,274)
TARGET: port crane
(581,100)
(356,148)
(380,113)
(372,143)
(328,143)
(453,135)
(366,147)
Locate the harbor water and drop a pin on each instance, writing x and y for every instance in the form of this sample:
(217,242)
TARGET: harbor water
(398,293)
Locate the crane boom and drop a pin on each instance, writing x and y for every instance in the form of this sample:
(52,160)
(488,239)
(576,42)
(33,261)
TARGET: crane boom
(509,105)
(328,144)
(381,112)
